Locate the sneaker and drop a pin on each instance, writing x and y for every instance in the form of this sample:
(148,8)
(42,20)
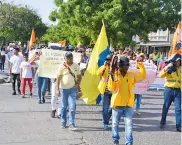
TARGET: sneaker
(31,95)
(72,127)
(178,129)
(23,96)
(14,93)
(162,126)
(63,125)
(116,142)
(43,100)
(59,116)
(40,102)
(19,92)
(106,127)
(53,113)
(137,112)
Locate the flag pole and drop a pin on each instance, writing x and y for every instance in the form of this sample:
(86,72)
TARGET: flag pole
(103,22)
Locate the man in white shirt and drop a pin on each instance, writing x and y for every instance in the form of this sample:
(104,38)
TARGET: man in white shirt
(15,62)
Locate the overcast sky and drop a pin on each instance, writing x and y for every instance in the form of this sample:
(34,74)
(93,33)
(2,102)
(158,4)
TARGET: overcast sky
(43,7)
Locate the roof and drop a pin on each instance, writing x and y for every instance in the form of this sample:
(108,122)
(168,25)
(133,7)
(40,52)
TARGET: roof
(155,44)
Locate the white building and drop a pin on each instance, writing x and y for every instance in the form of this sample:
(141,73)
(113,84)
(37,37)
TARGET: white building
(160,40)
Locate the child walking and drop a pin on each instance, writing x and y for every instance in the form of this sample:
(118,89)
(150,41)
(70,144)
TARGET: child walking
(26,75)
(1,62)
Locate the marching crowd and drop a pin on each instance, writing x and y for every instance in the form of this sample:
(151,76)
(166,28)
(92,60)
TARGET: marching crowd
(116,85)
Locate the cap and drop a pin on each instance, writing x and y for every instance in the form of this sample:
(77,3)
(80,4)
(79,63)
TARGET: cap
(109,57)
(68,54)
(124,61)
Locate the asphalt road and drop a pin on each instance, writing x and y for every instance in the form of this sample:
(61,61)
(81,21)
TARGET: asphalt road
(25,122)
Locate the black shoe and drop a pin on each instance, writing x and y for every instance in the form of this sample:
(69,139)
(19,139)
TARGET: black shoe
(162,126)
(43,100)
(19,92)
(116,142)
(14,93)
(53,113)
(40,102)
(178,129)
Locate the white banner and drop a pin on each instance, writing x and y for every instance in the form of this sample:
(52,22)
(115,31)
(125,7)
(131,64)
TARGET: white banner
(151,72)
(51,60)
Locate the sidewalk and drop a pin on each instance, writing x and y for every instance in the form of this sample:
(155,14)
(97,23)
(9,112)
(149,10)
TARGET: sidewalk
(25,122)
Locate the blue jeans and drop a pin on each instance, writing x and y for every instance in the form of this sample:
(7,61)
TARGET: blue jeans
(127,113)
(41,83)
(106,110)
(138,99)
(68,96)
(172,95)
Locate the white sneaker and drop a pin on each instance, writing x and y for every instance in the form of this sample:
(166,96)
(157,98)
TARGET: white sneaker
(72,127)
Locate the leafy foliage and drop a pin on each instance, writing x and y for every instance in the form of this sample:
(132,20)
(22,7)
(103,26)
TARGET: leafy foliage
(81,20)
(17,22)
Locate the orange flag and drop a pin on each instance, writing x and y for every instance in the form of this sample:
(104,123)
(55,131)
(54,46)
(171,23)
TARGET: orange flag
(62,43)
(32,39)
(177,41)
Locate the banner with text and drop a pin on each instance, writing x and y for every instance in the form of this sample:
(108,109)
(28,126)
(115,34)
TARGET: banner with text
(151,71)
(51,60)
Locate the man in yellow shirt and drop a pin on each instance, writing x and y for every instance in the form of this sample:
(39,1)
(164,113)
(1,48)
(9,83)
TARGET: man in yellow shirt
(68,81)
(121,85)
(172,92)
(104,72)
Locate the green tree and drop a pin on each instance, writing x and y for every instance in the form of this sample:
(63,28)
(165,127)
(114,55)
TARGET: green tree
(16,23)
(81,20)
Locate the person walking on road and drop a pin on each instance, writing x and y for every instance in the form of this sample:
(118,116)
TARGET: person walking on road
(14,71)
(54,100)
(1,62)
(121,85)
(68,81)
(172,92)
(41,82)
(26,75)
(138,97)
(104,72)
(3,57)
